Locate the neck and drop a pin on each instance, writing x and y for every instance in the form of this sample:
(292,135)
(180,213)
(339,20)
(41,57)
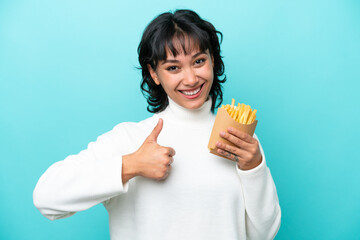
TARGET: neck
(179,114)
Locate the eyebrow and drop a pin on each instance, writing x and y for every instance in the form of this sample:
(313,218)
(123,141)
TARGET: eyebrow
(176,61)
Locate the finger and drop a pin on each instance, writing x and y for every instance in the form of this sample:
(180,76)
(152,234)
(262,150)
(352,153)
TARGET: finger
(171,151)
(231,149)
(171,160)
(235,140)
(156,131)
(166,160)
(166,173)
(168,151)
(228,155)
(163,178)
(242,135)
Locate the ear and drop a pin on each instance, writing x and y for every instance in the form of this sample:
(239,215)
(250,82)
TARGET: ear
(212,60)
(153,74)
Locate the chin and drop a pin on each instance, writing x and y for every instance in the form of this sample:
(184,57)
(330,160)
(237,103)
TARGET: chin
(194,105)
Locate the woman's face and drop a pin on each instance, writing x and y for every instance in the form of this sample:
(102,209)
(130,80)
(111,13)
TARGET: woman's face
(186,79)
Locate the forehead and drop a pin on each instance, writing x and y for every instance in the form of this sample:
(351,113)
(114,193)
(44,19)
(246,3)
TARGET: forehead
(182,45)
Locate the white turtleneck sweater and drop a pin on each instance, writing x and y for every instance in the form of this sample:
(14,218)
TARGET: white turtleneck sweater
(204,197)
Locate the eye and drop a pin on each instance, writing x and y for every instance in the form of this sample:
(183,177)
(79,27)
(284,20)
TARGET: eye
(199,61)
(172,68)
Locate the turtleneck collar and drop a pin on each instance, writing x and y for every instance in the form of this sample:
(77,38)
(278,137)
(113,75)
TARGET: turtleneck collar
(180,115)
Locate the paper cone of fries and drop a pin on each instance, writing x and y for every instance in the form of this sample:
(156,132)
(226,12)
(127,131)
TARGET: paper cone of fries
(222,122)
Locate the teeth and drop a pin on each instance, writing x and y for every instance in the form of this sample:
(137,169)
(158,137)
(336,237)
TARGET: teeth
(190,93)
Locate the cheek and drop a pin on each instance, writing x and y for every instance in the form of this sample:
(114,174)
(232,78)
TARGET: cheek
(169,82)
(210,78)
(209,74)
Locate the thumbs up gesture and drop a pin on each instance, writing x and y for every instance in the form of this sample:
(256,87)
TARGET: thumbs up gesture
(151,160)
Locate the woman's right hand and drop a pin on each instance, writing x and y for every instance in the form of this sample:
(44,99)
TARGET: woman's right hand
(151,160)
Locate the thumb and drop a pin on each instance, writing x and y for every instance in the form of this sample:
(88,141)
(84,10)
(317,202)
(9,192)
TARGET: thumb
(155,133)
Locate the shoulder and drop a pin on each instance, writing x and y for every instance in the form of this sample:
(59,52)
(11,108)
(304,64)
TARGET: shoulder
(126,134)
(136,126)
(135,129)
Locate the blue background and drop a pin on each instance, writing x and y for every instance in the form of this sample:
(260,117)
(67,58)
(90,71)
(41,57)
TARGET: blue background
(68,74)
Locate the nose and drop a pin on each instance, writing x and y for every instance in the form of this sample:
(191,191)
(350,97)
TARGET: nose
(190,78)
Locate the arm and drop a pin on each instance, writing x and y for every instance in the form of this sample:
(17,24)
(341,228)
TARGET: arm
(262,208)
(99,173)
(263,213)
(83,180)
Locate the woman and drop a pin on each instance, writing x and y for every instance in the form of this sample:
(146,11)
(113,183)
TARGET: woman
(161,182)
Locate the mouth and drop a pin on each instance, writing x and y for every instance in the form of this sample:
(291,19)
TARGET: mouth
(193,93)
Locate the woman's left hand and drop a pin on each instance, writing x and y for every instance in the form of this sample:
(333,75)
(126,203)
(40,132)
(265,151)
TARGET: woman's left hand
(246,151)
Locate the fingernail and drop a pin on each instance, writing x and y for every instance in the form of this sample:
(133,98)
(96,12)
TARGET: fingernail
(231,129)
(218,144)
(222,133)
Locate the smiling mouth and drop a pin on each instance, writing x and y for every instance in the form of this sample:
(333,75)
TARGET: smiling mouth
(192,92)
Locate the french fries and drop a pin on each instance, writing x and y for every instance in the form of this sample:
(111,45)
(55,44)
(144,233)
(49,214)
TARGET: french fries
(242,117)
(241,113)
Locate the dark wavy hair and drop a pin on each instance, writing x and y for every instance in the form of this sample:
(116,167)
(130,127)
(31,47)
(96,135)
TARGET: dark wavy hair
(160,34)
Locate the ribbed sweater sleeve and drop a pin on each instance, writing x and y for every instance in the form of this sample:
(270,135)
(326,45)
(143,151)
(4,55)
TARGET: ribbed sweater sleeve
(83,180)
(262,209)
